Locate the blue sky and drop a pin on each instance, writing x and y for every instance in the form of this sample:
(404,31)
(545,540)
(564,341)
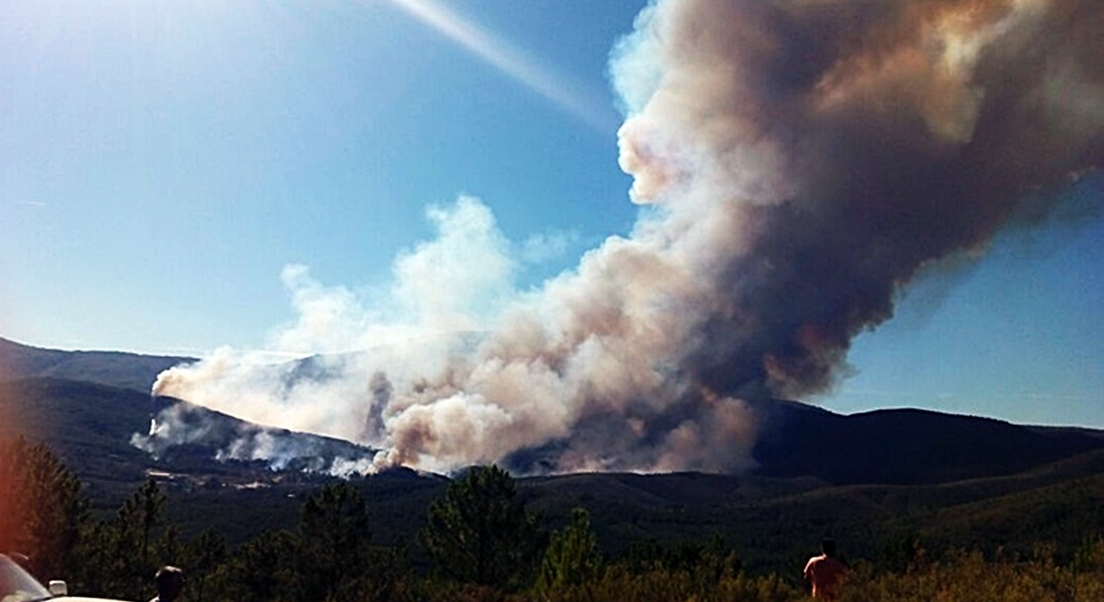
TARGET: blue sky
(161,163)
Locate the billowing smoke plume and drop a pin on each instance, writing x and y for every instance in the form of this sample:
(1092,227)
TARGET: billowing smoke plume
(804,160)
(184,424)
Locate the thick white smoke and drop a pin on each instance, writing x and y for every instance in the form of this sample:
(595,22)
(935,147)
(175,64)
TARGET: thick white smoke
(805,160)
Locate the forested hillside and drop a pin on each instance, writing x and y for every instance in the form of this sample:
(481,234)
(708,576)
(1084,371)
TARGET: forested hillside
(918,501)
(480,538)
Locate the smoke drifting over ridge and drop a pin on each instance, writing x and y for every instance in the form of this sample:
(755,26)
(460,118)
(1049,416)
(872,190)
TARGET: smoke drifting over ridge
(806,159)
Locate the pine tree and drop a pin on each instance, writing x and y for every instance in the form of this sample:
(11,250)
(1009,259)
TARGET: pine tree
(479,532)
(265,569)
(572,558)
(135,525)
(334,535)
(42,511)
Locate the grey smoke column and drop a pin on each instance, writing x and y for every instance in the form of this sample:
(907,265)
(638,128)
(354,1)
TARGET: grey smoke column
(805,159)
(842,146)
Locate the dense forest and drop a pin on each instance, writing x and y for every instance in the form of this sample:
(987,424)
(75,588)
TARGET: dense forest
(479,542)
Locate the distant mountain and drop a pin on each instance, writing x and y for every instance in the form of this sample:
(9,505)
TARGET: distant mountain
(98,432)
(88,425)
(794,439)
(903,446)
(868,479)
(111,368)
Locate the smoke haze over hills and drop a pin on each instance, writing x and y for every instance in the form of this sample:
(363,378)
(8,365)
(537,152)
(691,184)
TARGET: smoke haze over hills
(802,162)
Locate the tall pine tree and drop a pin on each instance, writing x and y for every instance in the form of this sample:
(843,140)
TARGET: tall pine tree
(479,532)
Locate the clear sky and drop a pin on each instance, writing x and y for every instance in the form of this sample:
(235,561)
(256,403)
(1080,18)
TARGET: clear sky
(162,162)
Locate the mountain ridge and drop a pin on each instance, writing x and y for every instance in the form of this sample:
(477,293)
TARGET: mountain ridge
(869,478)
(113,368)
(885,446)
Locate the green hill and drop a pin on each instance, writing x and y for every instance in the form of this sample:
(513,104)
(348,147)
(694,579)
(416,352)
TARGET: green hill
(878,482)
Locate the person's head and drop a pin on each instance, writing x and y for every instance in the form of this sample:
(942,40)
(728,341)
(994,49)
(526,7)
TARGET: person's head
(828,546)
(170,580)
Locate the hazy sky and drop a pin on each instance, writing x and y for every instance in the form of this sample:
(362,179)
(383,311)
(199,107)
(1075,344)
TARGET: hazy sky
(161,163)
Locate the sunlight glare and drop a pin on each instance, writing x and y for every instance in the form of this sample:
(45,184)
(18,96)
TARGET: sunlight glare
(507,58)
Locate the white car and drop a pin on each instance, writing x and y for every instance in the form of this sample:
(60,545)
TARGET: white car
(17,585)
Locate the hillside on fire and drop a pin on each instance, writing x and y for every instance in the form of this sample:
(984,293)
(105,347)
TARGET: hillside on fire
(872,478)
(483,535)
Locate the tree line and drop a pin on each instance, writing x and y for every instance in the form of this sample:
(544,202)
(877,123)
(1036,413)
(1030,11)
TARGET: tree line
(481,542)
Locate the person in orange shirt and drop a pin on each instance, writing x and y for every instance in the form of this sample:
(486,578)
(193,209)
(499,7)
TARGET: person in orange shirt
(825,573)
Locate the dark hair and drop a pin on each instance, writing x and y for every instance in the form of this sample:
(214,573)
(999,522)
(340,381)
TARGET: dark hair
(828,546)
(168,576)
